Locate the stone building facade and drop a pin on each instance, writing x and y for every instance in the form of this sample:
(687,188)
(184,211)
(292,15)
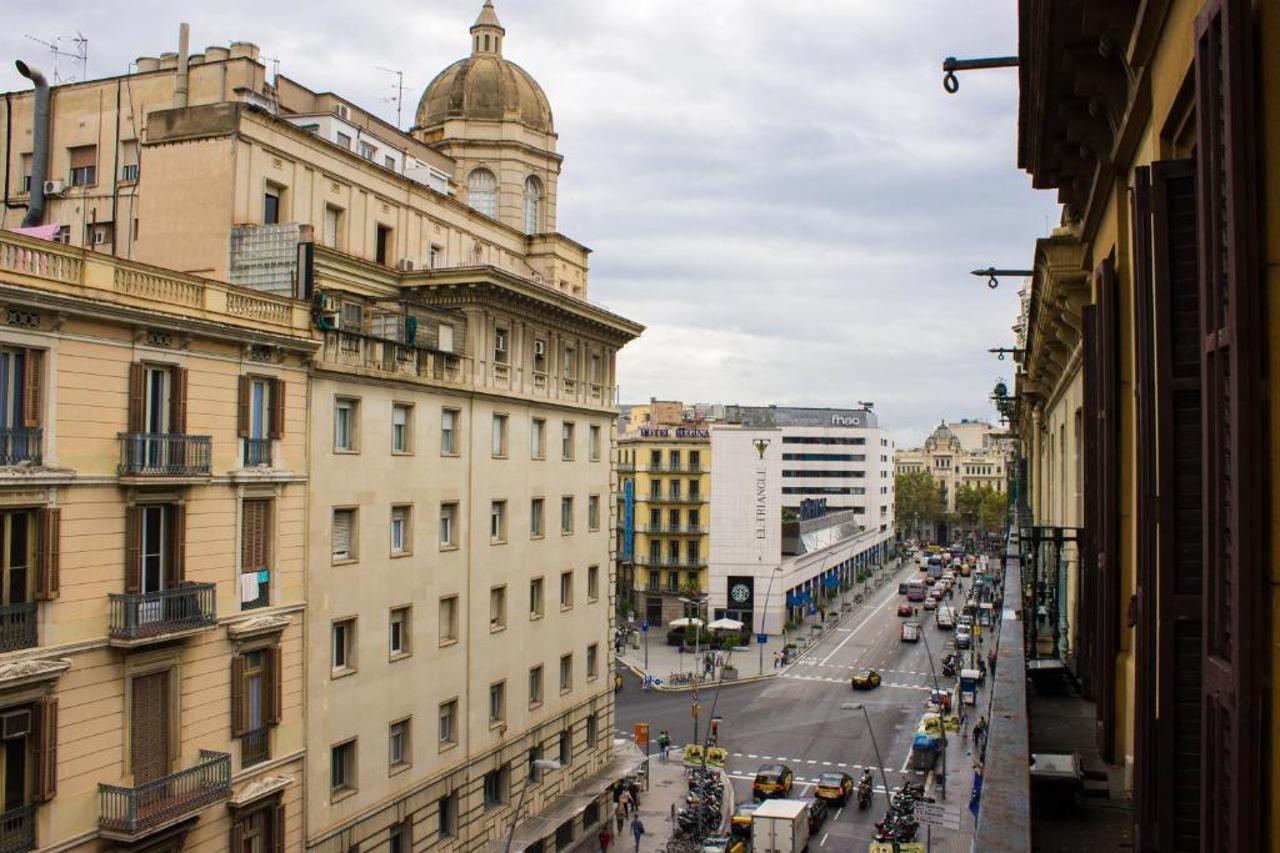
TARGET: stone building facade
(958,455)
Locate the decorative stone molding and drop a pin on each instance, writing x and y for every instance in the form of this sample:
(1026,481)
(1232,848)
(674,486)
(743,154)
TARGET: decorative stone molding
(21,673)
(258,626)
(258,789)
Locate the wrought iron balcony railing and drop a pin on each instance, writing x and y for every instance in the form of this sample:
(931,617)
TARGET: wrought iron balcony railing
(18,829)
(140,616)
(134,811)
(255,746)
(165,455)
(257,452)
(17,628)
(21,444)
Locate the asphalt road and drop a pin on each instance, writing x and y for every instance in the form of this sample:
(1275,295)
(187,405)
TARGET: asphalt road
(796,718)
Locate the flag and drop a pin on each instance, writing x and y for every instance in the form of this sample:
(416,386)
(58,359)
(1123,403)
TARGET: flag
(976,794)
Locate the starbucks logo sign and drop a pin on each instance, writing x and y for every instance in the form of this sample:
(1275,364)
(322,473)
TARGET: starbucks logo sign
(740,593)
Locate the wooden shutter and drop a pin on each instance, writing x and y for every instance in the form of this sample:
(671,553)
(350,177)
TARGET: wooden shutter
(280,831)
(342,534)
(48,553)
(243,398)
(255,535)
(273,701)
(239,708)
(1107,494)
(33,388)
(176,569)
(237,833)
(137,397)
(178,401)
(276,427)
(1179,453)
(133,549)
(45,712)
(1234,417)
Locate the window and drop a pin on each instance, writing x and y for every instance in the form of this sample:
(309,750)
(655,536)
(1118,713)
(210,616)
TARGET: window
(497,702)
(435,257)
(594,436)
(26,173)
(446,816)
(538,438)
(343,140)
(593,369)
(448,722)
(344,424)
(695,489)
(84,166)
(255,688)
(498,521)
(389,161)
(500,436)
(271,205)
(539,355)
(693,521)
(593,655)
(482,192)
(655,460)
(566,441)
(535,598)
(332,234)
(342,768)
(401,530)
(399,638)
(673,551)
(535,685)
(367,151)
(692,550)
(255,552)
(570,363)
(536,506)
(448,620)
(566,590)
(593,730)
(593,583)
(593,512)
(401,428)
(383,244)
(401,838)
(259,417)
(496,783)
(398,744)
(497,608)
(448,520)
(673,516)
(566,515)
(532,204)
(342,640)
(566,748)
(566,673)
(673,489)
(673,460)
(344,534)
(449,432)
(500,346)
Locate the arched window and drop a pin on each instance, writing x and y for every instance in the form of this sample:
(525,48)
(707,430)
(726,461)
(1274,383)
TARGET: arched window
(532,205)
(482,192)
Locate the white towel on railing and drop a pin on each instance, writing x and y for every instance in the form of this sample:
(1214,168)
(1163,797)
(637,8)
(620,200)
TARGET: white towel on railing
(248,587)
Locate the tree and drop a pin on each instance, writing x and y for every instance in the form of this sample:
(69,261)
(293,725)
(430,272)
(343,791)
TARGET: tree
(981,507)
(995,505)
(917,498)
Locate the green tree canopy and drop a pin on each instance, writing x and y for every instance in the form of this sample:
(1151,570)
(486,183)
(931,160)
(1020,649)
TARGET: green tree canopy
(981,507)
(915,494)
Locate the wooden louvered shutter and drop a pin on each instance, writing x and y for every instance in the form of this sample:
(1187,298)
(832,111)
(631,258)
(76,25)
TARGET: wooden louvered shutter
(48,553)
(33,390)
(237,833)
(175,567)
(178,401)
(45,712)
(273,701)
(276,427)
(1087,610)
(1108,488)
(137,397)
(133,549)
(1235,446)
(243,396)
(1179,454)
(280,830)
(255,535)
(239,707)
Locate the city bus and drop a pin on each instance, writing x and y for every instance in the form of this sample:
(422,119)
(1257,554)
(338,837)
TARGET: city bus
(915,590)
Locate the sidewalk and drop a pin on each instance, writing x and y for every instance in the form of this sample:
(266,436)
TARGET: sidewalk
(667,790)
(664,660)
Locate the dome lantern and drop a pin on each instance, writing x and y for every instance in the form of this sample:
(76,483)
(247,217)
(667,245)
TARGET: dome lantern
(487,32)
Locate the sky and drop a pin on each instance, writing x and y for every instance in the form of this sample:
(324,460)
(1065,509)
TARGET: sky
(779,190)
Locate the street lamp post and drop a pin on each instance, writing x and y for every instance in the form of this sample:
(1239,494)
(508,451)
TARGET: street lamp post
(697,657)
(536,764)
(764,614)
(933,673)
(884,777)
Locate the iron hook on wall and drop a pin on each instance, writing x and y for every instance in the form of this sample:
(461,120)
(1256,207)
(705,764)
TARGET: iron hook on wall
(993,275)
(951,65)
(1000,352)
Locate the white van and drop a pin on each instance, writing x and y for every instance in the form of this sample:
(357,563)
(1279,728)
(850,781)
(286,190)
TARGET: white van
(945,618)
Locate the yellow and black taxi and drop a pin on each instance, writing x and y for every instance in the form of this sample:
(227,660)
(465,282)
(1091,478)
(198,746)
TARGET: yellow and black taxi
(834,787)
(740,823)
(772,780)
(865,679)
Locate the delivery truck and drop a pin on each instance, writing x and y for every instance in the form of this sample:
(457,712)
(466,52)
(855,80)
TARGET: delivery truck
(780,826)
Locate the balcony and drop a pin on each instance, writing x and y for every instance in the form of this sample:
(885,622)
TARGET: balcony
(131,813)
(255,747)
(694,498)
(257,453)
(18,829)
(668,468)
(140,618)
(672,563)
(20,446)
(159,455)
(17,629)
(673,529)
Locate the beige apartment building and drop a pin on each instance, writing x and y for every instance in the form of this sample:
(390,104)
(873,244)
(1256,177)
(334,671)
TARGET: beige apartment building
(959,455)
(458,402)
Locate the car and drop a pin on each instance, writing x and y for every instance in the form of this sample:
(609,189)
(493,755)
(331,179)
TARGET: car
(740,823)
(906,610)
(772,780)
(834,787)
(902,588)
(945,618)
(910,632)
(865,679)
(723,844)
(817,813)
(931,603)
(930,580)
(964,637)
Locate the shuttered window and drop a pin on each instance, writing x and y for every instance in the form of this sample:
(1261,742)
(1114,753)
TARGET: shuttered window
(344,522)
(255,535)
(83,165)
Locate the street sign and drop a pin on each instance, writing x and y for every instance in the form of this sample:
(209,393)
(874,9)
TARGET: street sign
(644,626)
(761,639)
(937,814)
(641,733)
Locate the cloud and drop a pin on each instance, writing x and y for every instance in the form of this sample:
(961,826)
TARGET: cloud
(779,189)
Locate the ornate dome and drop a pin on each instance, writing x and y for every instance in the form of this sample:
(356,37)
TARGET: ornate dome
(485,86)
(943,438)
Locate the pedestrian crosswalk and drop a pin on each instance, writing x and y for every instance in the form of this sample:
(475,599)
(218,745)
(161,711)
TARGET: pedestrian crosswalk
(816,765)
(851,668)
(846,681)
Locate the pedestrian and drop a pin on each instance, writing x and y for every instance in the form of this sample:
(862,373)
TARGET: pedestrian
(979,730)
(634,790)
(619,816)
(991,662)
(777,659)
(624,802)
(637,830)
(664,745)
(605,838)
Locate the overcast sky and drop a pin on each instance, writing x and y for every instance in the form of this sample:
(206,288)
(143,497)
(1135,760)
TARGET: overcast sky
(779,190)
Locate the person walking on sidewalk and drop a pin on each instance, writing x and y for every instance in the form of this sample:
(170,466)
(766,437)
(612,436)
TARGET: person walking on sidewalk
(637,830)
(620,816)
(664,745)
(605,838)
(625,802)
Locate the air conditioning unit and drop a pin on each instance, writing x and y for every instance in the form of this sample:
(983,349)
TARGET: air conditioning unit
(341,111)
(404,265)
(329,304)
(539,348)
(15,724)
(55,187)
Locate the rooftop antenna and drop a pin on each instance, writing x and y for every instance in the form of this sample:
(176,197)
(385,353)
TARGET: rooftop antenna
(67,47)
(399,97)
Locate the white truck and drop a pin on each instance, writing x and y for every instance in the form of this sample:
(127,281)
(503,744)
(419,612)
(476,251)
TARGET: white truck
(780,826)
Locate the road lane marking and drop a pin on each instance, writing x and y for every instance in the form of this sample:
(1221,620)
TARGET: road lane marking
(839,812)
(854,632)
(823,842)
